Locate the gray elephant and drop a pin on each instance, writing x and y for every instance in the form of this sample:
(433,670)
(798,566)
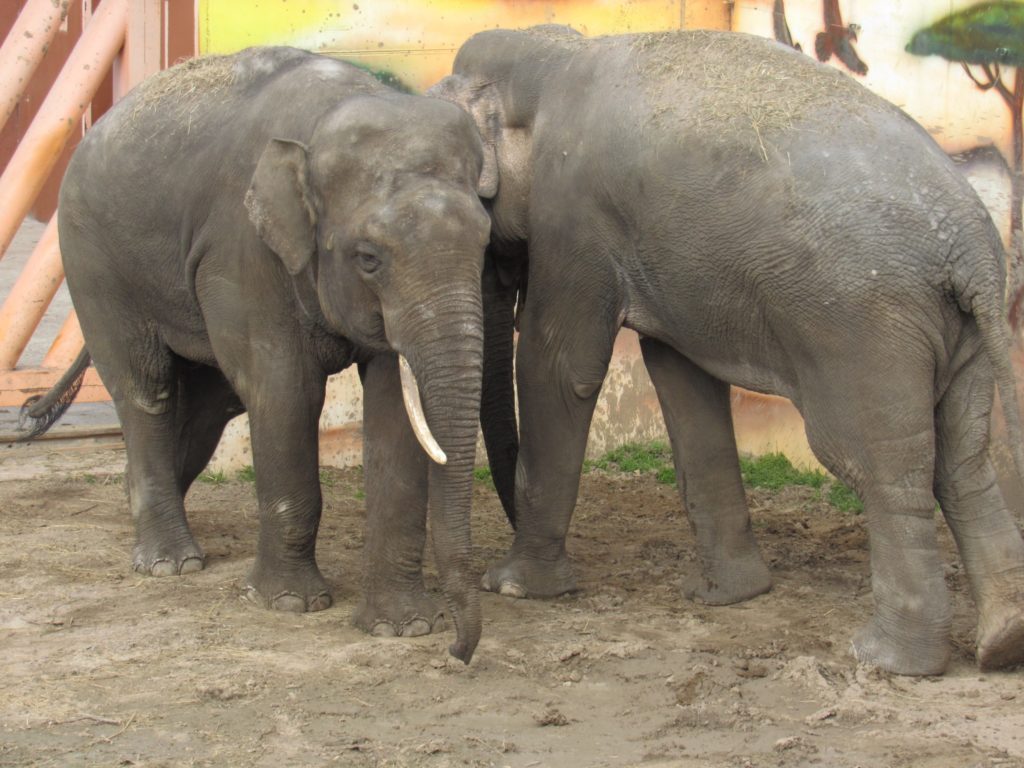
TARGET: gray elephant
(234,231)
(764,221)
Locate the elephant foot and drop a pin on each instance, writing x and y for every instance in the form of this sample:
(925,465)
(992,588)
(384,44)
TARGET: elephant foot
(396,614)
(522,577)
(730,581)
(296,591)
(926,656)
(1001,638)
(164,560)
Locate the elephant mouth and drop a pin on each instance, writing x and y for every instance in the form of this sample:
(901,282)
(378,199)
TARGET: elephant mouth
(414,409)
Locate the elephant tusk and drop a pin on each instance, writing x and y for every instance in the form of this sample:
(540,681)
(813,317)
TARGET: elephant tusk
(414,407)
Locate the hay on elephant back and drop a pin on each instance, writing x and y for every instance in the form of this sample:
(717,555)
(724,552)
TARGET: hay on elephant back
(728,85)
(177,89)
(743,80)
(739,90)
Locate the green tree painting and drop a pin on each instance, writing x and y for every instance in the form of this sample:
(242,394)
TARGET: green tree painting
(989,36)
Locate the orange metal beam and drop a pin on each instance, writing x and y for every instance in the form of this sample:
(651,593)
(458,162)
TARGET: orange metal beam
(142,44)
(24,47)
(30,296)
(16,386)
(59,115)
(66,345)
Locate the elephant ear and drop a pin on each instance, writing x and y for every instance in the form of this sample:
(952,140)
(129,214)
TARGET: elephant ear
(481,102)
(487,187)
(280,205)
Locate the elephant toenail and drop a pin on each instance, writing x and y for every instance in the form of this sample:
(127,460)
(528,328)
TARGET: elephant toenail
(383,629)
(415,628)
(289,601)
(320,602)
(191,564)
(163,567)
(511,589)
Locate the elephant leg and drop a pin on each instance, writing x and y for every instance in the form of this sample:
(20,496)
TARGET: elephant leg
(987,536)
(284,403)
(394,601)
(698,417)
(181,439)
(880,440)
(206,403)
(559,377)
(142,376)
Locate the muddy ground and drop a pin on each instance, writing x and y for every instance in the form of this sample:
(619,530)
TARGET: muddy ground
(103,667)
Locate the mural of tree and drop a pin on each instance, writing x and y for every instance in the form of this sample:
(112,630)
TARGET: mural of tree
(990,36)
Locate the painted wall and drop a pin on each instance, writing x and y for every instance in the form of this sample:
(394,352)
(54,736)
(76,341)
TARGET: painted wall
(974,125)
(415,41)
(975,116)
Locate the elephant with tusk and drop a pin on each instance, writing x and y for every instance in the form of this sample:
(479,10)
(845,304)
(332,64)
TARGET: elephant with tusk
(234,231)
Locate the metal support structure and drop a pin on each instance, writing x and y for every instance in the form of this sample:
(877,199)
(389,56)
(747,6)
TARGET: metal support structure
(143,42)
(24,48)
(30,297)
(59,115)
(126,35)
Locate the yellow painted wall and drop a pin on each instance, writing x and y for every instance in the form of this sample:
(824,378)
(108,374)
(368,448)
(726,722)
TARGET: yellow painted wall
(416,41)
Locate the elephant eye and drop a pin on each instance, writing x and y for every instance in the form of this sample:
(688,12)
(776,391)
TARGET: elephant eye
(367,259)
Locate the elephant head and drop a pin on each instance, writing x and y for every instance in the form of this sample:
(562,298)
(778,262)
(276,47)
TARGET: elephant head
(379,224)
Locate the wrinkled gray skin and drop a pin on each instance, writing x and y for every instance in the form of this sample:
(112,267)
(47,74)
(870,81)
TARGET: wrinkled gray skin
(229,243)
(760,220)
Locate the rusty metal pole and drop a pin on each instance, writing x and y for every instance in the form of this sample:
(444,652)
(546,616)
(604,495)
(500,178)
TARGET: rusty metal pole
(26,44)
(142,43)
(66,345)
(30,296)
(59,115)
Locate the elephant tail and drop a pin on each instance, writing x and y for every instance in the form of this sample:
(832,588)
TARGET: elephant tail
(995,339)
(40,412)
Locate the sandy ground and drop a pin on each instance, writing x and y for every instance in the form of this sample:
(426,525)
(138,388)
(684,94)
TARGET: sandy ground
(104,667)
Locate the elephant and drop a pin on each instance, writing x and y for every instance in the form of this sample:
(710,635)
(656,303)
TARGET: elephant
(760,220)
(235,230)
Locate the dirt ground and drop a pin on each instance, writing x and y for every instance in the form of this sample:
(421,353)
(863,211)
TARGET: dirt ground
(104,667)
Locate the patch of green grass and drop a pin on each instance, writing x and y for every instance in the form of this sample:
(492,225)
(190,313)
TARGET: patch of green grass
(774,471)
(327,478)
(483,476)
(90,478)
(635,457)
(631,458)
(247,474)
(842,497)
(666,476)
(213,478)
(360,495)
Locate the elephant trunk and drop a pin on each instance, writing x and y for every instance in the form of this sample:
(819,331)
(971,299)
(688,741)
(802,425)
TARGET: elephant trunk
(497,399)
(446,357)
